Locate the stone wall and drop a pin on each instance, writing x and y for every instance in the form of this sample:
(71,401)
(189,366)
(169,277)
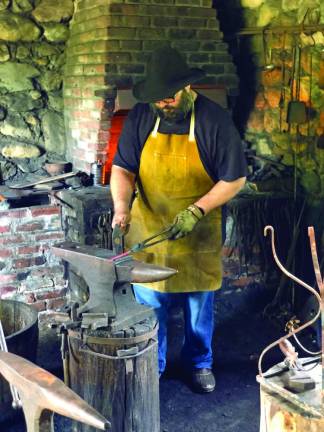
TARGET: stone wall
(32,54)
(266,92)
(108,47)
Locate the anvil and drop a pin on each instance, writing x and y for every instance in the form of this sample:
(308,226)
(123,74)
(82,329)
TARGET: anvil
(111,301)
(41,394)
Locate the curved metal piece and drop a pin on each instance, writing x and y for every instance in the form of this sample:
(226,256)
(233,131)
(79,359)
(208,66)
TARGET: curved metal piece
(319,279)
(315,353)
(300,282)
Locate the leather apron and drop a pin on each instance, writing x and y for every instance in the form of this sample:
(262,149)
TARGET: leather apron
(171,177)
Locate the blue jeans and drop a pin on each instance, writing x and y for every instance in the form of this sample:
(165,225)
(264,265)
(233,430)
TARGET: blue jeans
(199,324)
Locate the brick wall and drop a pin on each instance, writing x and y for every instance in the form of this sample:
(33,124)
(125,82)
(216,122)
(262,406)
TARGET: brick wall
(28,270)
(109,44)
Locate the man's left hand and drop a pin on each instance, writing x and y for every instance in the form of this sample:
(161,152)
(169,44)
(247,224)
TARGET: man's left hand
(185,221)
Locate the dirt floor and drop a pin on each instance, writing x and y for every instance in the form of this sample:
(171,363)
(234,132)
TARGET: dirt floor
(240,335)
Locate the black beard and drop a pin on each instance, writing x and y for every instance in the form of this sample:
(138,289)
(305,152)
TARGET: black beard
(172,115)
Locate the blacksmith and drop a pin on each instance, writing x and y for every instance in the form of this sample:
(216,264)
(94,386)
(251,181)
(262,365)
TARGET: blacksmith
(183,155)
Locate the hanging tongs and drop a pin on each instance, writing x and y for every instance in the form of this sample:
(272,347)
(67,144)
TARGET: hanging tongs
(267,51)
(296,110)
(159,237)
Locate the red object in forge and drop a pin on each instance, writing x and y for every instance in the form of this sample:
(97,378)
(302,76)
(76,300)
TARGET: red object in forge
(117,123)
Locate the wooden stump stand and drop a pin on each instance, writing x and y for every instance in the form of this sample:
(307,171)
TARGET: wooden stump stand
(117,373)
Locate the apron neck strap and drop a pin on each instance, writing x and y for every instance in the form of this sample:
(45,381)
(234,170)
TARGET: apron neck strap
(156,127)
(192,125)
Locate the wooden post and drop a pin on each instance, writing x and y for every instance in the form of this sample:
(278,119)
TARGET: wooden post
(117,373)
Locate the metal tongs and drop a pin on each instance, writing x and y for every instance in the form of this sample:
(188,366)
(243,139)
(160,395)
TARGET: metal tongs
(159,237)
(165,234)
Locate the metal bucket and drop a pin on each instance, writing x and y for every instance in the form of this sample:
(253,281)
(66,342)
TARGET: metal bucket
(20,325)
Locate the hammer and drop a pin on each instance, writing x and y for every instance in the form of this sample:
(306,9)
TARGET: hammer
(42,394)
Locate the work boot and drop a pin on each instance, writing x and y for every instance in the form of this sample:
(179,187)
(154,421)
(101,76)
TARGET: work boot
(203,380)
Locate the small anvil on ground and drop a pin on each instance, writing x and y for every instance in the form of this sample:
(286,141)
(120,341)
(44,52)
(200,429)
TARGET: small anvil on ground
(41,394)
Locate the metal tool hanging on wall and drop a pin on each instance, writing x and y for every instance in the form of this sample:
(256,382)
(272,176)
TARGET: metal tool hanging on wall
(296,113)
(267,52)
(283,58)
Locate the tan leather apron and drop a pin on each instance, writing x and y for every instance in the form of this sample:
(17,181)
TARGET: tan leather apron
(171,177)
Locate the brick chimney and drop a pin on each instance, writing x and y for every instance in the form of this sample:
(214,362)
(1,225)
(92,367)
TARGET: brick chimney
(109,45)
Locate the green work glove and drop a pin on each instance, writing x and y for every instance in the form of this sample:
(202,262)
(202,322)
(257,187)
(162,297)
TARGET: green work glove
(185,221)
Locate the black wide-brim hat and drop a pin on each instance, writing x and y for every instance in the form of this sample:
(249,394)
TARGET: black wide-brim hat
(167,73)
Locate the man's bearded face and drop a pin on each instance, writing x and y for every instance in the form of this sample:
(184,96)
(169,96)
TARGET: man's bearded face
(176,109)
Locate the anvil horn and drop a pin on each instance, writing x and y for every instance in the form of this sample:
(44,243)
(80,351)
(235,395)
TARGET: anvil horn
(40,390)
(143,272)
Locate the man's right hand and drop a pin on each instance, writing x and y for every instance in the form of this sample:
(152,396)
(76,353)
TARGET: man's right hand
(121,218)
(122,185)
